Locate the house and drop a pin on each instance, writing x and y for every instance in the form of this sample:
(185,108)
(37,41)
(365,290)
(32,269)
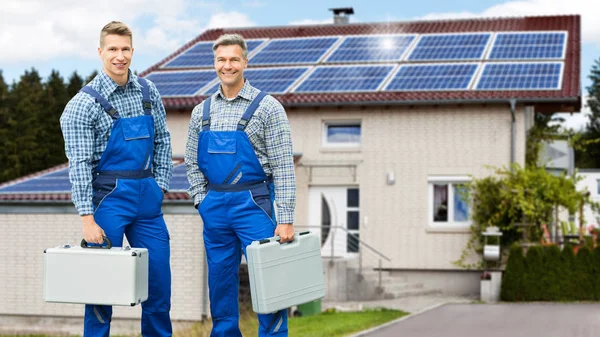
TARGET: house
(388,121)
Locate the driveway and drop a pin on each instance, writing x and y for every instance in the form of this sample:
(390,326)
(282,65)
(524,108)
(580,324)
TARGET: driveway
(498,320)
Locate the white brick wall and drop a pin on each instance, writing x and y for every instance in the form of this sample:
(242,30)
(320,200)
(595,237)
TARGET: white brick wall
(413,142)
(23,238)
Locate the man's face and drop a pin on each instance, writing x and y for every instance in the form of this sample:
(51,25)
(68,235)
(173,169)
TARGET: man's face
(230,65)
(116,57)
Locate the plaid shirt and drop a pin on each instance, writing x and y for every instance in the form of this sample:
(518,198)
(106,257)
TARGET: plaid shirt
(269,133)
(86,128)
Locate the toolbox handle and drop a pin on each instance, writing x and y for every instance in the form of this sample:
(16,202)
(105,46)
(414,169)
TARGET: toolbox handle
(108,245)
(277,238)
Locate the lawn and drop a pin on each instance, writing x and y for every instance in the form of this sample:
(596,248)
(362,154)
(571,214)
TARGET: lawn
(326,324)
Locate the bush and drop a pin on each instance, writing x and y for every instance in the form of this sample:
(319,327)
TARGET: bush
(512,278)
(533,274)
(552,272)
(549,274)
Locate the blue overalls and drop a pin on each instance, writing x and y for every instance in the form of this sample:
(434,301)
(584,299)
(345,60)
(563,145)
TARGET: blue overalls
(127,200)
(237,209)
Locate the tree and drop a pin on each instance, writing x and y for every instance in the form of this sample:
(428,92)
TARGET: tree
(587,152)
(91,77)
(54,101)
(24,152)
(75,83)
(5,130)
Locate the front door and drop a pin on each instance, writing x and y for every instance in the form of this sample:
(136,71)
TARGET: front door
(334,214)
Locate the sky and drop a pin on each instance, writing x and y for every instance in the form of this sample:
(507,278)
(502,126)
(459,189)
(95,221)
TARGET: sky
(63,34)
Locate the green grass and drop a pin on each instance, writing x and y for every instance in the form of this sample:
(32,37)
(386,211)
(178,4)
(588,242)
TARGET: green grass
(337,324)
(326,324)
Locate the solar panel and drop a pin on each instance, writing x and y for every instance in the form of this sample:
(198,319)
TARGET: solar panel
(181,83)
(55,182)
(201,55)
(521,76)
(293,51)
(179,181)
(272,80)
(433,77)
(345,78)
(524,46)
(432,47)
(371,48)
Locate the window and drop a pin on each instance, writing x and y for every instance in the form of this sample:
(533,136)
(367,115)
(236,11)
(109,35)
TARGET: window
(352,220)
(341,134)
(448,205)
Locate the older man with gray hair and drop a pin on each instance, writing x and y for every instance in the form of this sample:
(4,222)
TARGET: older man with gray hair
(239,160)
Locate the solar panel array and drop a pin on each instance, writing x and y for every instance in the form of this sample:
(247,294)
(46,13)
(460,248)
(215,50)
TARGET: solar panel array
(201,55)
(384,62)
(371,48)
(344,79)
(58,182)
(433,77)
(293,51)
(450,47)
(272,80)
(520,76)
(181,83)
(529,46)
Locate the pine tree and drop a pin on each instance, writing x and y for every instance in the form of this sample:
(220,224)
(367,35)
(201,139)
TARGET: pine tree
(55,99)
(587,155)
(75,83)
(24,153)
(91,76)
(4,130)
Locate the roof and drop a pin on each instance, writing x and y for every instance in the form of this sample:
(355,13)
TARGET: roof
(177,194)
(568,98)
(40,196)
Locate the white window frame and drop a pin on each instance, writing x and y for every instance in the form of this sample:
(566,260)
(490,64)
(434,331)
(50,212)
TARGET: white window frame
(451,181)
(353,122)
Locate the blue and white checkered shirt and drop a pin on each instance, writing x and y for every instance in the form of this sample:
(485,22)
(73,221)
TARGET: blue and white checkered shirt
(269,133)
(86,128)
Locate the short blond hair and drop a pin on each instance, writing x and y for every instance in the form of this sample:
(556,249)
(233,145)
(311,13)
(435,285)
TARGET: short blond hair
(115,28)
(231,40)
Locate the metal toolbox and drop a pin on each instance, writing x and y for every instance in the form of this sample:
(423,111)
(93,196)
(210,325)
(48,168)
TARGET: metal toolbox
(101,276)
(285,275)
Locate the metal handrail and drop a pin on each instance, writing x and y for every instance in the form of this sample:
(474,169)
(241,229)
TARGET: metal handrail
(381,255)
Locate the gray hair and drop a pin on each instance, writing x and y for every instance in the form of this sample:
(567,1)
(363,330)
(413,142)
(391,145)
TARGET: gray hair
(231,40)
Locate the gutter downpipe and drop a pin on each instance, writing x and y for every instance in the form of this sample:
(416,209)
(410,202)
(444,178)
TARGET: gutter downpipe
(513,130)
(204,289)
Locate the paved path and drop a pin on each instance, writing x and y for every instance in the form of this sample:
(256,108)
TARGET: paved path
(497,320)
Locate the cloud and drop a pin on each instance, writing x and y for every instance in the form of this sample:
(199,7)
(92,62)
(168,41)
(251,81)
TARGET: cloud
(590,26)
(254,4)
(312,22)
(229,20)
(39,30)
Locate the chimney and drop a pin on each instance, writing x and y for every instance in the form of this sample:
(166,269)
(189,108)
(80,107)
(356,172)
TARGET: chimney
(341,15)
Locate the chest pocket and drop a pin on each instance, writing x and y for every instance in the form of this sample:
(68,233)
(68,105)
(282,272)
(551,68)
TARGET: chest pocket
(134,129)
(222,142)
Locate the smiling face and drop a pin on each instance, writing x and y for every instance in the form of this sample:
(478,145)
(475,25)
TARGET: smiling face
(116,53)
(230,64)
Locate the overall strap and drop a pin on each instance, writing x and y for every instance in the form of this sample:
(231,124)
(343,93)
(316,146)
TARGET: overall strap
(206,115)
(250,111)
(103,102)
(145,96)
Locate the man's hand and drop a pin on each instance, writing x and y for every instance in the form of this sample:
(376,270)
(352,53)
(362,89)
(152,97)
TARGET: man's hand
(92,233)
(285,232)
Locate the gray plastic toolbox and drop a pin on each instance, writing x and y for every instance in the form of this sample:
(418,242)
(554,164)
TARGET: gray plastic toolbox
(285,275)
(114,276)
